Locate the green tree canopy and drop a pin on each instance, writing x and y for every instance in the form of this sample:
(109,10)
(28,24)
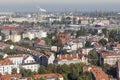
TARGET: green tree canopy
(14,71)
(42,70)
(88,44)
(103,42)
(93,57)
(26,73)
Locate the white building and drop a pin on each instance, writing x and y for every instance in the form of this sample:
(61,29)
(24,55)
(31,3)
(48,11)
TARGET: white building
(28,35)
(109,58)
(32,66)
(16,59)
(51,58)
(29,63)
(68,59)
(40,34)
(6,66)
(15,38)
(85,51)
(73,45)
(28,59)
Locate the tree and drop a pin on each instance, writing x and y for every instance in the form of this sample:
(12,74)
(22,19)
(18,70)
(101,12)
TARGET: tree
(26,73)
(88,44)
(64,52)
(79,21)
(103,42)
(14,71)
(93,57)
(48,41)
(10,32)
(74,20)
(81,32)
(85,76)
(41,79)
(3,36)
(51,68)
(9,42)
(74,74)
(1,57)
(26,38)
(104,31)
(65,69)
(42,70)
(92,31)
(56,78)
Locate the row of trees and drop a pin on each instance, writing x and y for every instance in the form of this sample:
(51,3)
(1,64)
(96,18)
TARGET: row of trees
(69,72)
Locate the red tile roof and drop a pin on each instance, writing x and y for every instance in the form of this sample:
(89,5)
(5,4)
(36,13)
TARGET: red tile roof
(6,61)
(8,77)
(106,54)
(47,75)
(69,57)
(98,73)
(8,28)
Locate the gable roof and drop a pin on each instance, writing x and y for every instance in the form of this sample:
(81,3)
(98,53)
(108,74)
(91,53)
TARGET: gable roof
(6,61)
(98,73)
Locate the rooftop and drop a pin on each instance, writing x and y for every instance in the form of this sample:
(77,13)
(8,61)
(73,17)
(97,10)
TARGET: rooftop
(98,73)
(47,75)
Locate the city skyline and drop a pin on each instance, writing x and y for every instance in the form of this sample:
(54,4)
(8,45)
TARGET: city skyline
(58,5)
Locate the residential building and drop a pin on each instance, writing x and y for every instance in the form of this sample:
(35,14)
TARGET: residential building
(40,33)
(108,57)
(28,59)
(32,66)
(85,51)
(29,63)
(73,45)
(70,58)
(97,73)
(62,38)
(29,35)
(16,59)
(15,37)
(6,66)
(47,59)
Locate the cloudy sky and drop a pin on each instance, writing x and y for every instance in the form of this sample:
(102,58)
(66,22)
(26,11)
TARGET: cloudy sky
(59,5)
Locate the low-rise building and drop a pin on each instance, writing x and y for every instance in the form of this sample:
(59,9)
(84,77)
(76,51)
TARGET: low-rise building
(15,37)
(6,66)
(70,58)
(29,63)
(16,59)
(98,73)
(47,59)
(28,35)
(107,57)
(31,66)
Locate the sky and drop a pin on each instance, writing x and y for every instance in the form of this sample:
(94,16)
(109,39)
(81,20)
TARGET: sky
(59,5)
